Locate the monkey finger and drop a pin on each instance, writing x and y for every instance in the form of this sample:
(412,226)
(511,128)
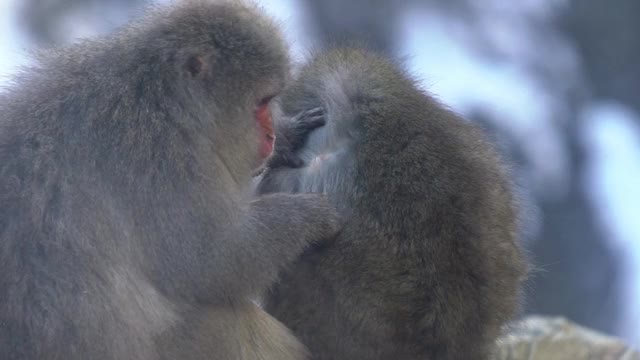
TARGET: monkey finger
(311,113)
(315,111)
(301,131)
(313,123)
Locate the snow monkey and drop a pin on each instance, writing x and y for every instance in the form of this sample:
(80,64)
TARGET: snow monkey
(427,265)
(128,229)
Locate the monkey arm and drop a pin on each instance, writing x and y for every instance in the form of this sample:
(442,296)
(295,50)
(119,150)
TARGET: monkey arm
(276,230)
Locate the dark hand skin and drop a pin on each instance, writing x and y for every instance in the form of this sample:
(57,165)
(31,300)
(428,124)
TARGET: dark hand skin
(291,137)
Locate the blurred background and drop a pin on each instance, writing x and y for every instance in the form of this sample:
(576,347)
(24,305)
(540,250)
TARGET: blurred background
(556,83)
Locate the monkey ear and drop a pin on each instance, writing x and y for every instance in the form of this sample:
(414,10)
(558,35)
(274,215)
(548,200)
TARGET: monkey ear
(195,65)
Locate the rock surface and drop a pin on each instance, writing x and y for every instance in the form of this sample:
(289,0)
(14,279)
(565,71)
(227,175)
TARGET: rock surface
(543,338)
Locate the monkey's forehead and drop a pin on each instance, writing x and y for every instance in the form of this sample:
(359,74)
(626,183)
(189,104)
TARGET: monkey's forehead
(223,24)
(237,36)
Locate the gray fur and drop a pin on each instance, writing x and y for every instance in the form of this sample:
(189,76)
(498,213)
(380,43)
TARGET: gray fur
(428,264)
(127,228)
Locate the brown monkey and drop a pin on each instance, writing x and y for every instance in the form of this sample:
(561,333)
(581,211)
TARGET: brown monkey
(427,265)
(127,228)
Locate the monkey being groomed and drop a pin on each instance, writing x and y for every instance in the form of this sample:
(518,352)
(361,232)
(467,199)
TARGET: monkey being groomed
(127,225)
(428,264)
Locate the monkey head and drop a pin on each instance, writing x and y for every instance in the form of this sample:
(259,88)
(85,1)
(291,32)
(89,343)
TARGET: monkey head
(228,66)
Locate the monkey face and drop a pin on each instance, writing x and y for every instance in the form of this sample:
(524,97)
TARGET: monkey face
(265,128)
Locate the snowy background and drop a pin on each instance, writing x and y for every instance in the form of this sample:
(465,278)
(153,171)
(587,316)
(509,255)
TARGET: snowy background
(555,82)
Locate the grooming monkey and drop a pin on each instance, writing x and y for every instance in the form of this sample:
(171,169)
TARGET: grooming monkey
(427,265)
(127,225)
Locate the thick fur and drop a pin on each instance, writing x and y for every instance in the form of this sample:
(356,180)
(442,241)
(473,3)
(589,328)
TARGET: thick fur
(427,265)
(127,228)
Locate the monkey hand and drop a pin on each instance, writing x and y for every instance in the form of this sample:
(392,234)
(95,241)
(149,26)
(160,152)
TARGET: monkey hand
(326,217)
(290,223)
(291,136)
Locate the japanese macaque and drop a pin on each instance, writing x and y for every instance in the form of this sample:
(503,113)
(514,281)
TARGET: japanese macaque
(128,229)
(427,265)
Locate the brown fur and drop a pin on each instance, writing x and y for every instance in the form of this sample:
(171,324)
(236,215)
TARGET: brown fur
(428,265)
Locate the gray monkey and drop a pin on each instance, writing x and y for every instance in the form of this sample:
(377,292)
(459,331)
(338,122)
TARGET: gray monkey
(428,265)
(127,225)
